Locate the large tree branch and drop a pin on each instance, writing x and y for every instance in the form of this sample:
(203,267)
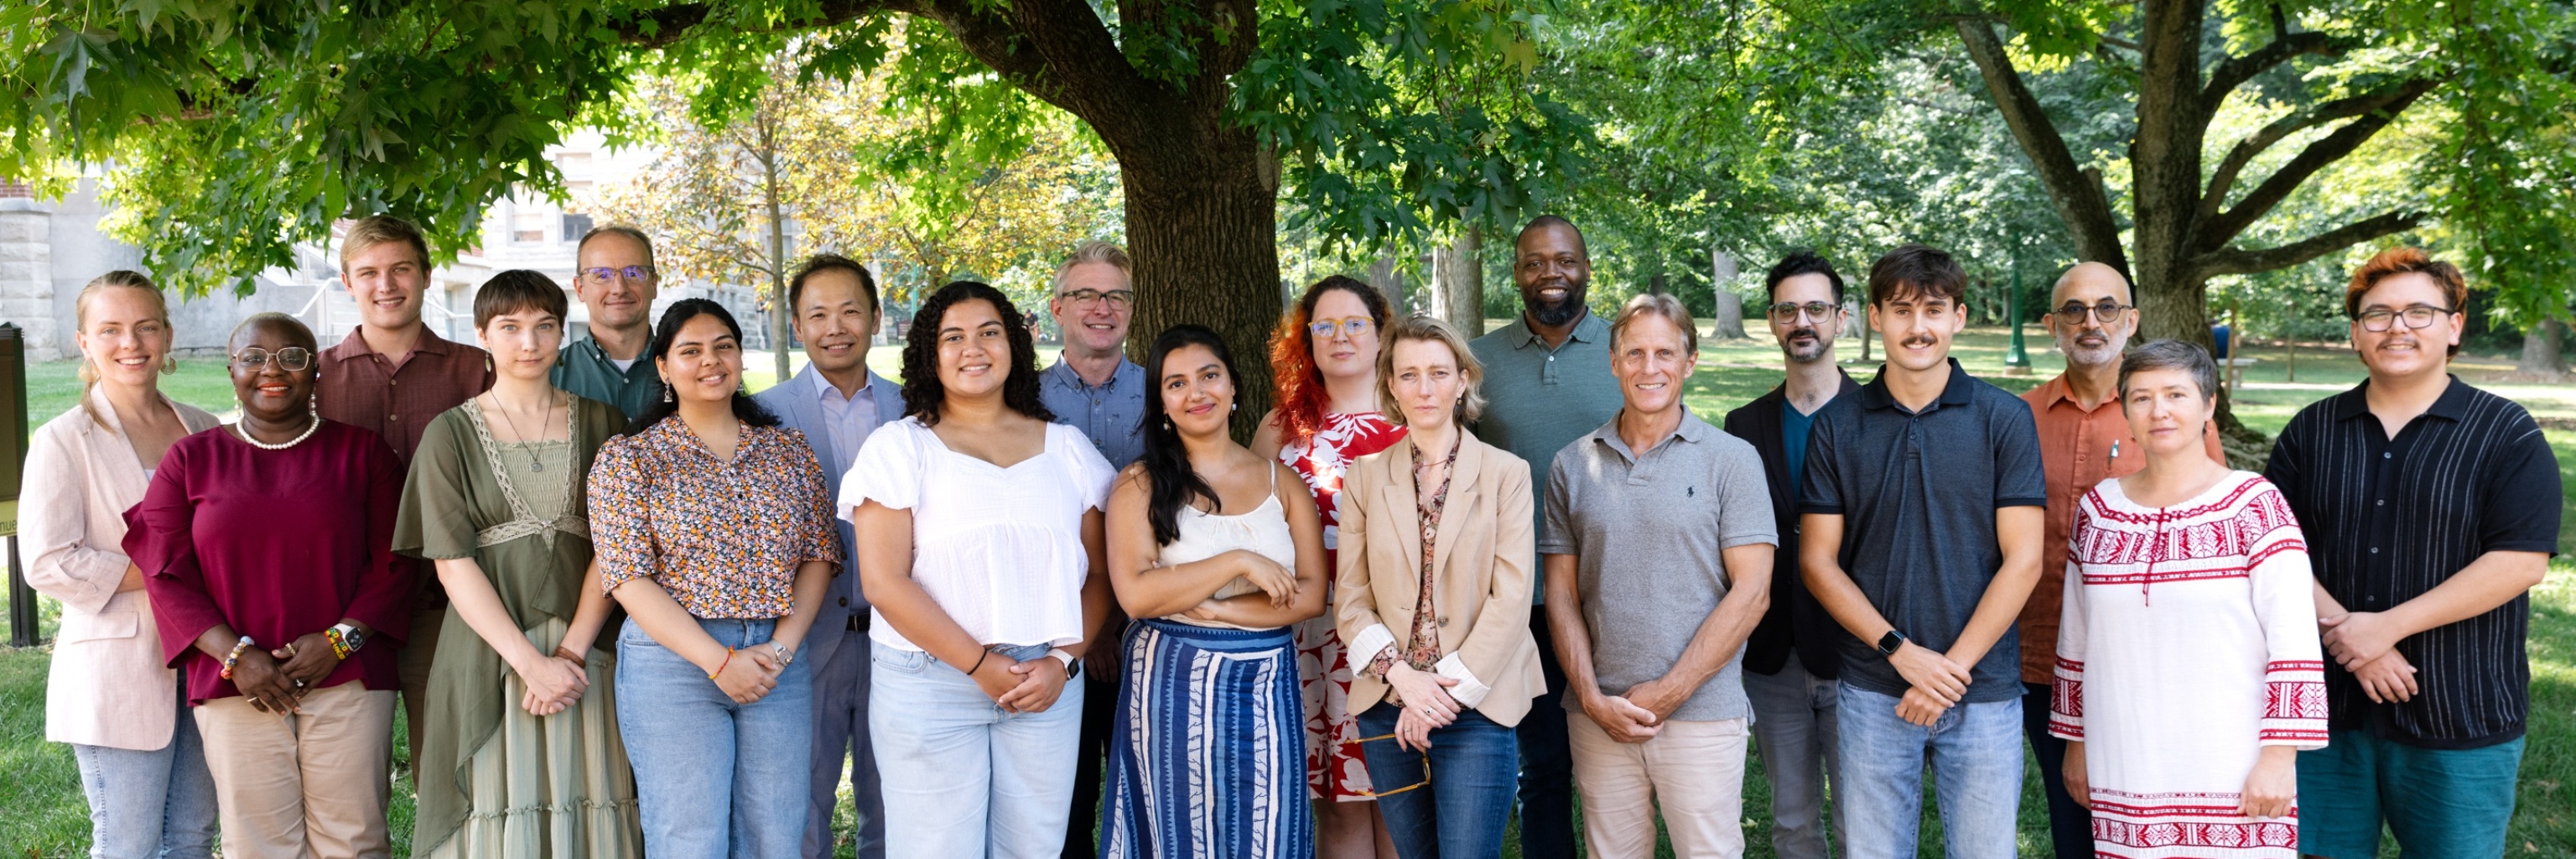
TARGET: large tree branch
(2217,231)
(1063,53)
(2233,72)
(2079,199)
(2233,261)
(2223,181)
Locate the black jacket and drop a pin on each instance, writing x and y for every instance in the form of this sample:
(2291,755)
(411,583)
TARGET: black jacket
(1795,619)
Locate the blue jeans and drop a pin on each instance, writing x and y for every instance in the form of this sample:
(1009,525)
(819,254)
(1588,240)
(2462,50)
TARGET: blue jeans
(1794,729)
(1975,752)
(1547,762)
(158,803)
(1462,814)
(715,778)
(961,777)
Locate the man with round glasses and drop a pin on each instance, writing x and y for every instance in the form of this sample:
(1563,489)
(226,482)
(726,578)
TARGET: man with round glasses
(2084,439)
(2431,509)
(614,275)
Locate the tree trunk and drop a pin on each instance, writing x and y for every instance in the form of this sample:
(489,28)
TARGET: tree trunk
(778,314)
(1381,274)
(1729,312)
(1458,277)
(2541,357)
(1202,229)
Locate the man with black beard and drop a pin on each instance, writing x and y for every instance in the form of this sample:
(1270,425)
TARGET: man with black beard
(1547,384)
(1790,662)
(2084,439)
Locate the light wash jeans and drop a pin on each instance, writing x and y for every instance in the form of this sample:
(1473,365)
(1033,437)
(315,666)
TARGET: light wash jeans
(1975,752)
(961,777)
(1794,730)
(158,803)
(1463,811)
(715,778)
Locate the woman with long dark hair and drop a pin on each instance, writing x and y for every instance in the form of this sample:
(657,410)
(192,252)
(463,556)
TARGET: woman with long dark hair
(980,548)
(1216,555)
(713,532)
(1324,360)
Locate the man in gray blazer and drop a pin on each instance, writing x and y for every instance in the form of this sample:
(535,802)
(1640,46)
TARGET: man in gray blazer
(836,402)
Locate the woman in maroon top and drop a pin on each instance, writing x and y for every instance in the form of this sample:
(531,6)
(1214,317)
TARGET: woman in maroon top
(266,546)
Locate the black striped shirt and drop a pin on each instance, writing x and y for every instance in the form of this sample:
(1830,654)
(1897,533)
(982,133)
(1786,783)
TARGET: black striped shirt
(2389,519)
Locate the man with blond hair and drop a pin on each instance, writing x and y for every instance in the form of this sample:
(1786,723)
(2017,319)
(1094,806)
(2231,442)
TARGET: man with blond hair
(1092,387)
(391,376)
(2431,508)
(1657,552)
(614,275)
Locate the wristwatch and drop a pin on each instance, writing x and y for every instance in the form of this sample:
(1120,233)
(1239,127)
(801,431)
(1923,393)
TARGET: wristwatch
(1066,657)
(1889,643)
(349,638)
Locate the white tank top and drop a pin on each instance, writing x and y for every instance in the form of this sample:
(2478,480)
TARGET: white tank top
(1263,529)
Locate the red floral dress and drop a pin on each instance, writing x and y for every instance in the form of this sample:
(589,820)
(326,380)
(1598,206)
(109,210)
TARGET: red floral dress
(1333,765)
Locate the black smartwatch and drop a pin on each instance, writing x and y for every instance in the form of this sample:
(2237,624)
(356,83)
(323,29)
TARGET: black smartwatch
(1889,643)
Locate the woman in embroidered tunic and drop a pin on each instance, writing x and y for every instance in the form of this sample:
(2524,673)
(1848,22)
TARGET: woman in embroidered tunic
(520,754)
(1436,542)
(1325,363)
(2188,669)
(1205,759)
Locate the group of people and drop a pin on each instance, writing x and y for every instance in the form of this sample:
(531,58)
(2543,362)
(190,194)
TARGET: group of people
(1447,581)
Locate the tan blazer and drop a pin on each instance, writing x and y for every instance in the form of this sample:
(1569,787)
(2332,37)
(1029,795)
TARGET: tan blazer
(1484,561)
(108,685)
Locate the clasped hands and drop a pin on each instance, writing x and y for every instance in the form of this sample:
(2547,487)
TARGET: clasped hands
(1934,683)
(2365,643)
(276,681)
(554,681)
(1426,701)
(1637,715)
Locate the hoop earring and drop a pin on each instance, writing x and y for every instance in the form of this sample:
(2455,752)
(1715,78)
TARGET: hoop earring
(169,365)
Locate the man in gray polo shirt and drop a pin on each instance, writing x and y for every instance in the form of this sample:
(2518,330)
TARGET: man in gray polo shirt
(1657,550)
(1547,382)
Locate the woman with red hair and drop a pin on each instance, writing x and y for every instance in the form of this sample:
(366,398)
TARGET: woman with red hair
(1324,362)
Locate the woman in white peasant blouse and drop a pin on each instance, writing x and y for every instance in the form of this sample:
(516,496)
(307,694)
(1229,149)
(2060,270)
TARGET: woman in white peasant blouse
(980,548)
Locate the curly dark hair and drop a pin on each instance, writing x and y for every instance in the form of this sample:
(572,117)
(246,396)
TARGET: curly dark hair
(922,393)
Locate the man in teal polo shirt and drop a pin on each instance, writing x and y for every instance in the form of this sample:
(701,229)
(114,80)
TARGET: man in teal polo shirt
(614,275)
(1547,383)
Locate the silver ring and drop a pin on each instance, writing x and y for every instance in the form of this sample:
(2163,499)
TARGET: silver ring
(299,684)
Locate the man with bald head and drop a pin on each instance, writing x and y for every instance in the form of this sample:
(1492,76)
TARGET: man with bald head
(2083,440)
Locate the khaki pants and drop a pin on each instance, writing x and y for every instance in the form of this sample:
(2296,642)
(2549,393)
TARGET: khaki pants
(1694,770)
(309,785)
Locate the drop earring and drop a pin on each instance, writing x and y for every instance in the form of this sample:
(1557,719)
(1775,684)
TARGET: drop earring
(666,393)
(169,365)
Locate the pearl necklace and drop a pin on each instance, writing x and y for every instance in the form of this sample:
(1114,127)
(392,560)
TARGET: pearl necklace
(299,439)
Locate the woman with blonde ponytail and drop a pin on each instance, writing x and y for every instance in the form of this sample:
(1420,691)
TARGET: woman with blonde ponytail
(111,695)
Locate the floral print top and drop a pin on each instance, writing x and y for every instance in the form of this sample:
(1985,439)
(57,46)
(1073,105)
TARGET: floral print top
(1423,651)
(725,538)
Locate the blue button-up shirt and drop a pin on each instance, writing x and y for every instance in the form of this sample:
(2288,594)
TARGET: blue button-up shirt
(1111,414)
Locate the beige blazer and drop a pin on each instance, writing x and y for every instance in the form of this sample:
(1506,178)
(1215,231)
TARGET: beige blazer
(108,685)
(1484,559)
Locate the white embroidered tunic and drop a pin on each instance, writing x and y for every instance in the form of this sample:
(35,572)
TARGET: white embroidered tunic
(2190,642)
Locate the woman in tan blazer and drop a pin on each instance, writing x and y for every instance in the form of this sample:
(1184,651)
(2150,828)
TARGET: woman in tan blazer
(109,694)
(1434,597)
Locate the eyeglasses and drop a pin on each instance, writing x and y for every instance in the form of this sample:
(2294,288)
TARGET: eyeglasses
(2108,311)
(2379,319)
(292,358)
(1119,299)
(1786,313)
(601,275)
(1354,326)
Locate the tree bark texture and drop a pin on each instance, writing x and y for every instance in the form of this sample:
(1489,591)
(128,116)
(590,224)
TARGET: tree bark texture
(1458,275)
(2541,357)
(1382,274)
(1728,311)
(2183,229)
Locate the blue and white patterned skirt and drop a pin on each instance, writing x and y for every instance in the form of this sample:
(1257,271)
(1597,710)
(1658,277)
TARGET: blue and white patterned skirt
(1209,755)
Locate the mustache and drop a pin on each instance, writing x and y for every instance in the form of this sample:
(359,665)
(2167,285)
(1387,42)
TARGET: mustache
(1918,340)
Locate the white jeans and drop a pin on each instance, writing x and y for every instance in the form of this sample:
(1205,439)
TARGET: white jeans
(1694,770)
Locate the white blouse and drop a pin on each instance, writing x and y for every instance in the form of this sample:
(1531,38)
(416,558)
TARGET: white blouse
(1000,549)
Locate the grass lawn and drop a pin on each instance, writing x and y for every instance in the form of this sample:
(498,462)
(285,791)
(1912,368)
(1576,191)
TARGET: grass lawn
(45,816)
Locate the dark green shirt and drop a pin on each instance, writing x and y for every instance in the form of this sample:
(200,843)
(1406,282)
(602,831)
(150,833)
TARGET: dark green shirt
(1538,400)
(585,370)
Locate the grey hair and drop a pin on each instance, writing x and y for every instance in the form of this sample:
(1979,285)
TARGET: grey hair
(1091,252)
(1656,304)
(2170,355)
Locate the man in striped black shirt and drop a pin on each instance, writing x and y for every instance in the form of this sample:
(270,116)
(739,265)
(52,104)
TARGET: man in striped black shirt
(2434,508)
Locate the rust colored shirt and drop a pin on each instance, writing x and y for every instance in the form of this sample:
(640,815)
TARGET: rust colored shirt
(397,399)
(2078,447)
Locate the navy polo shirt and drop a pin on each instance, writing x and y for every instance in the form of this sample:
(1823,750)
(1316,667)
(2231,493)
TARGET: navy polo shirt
(1918,493)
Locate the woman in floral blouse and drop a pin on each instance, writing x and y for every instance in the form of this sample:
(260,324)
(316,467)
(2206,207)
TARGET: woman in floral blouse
(714,533)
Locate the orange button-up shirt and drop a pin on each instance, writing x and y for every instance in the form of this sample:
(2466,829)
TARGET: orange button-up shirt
(2078,447)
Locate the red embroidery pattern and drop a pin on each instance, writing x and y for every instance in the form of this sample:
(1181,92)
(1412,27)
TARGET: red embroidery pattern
(2188,546)
(2066,699)
(2186,820)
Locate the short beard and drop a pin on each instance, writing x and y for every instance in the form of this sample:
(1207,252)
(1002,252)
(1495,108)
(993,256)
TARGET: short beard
(2107,354)
(1561,312)
(1809,354)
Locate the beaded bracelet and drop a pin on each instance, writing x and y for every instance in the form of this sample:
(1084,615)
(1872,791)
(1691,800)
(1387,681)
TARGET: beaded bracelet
(339,646)
(235,656)
(720,666)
